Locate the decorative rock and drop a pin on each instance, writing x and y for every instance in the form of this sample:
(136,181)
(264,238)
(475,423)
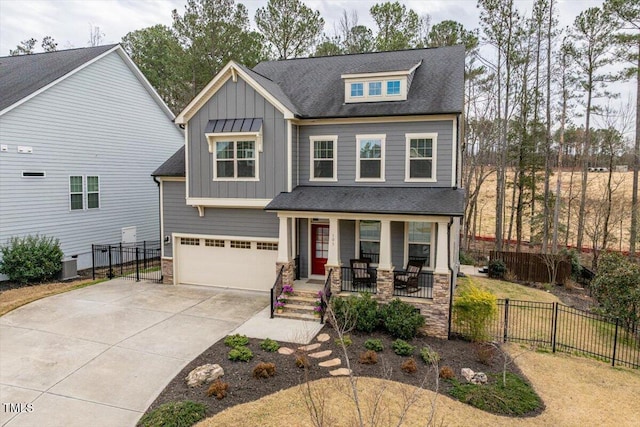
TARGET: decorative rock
(330,363)
(323,337)
(309,347)
(467,373)
(320,354)
(286,350)
(340,372)
(204,374)
(479,378)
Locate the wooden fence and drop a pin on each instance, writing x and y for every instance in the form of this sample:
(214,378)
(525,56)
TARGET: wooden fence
(532,267)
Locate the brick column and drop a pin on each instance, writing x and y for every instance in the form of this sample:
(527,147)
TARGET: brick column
(384,284)
(336,277)
(437,313)
(167,271)
(288,274)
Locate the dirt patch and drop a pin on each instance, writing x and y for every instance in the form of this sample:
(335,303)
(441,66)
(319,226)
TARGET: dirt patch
(244,388)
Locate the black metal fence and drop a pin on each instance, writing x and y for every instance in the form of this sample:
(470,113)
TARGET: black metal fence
(132,261)
(424,290)
(276,290)
(562,328)
(349,285)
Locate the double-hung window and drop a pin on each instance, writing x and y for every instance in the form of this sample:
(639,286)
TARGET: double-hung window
(370,157)
(421,157)
(419,241)
(84,192)
(76,193)
(369,232)
(235,160)
(324,161)
(93,192)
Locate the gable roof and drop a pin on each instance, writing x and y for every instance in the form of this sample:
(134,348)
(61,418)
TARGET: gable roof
(174,166)
(315,85)
(25,76)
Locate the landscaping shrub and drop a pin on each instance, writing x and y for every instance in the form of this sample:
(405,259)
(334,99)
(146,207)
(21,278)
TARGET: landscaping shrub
(264,370)
(269,345)
(446,373)
(236,340)
(374,344)
(429,356)
(485,353)
(218,389)
(241,353)
(345,341)
(31,259)
(409,366)
(302,361)
(402,348)
(401,320)
(473,311)
(517,398)
(497,269)
(358,312)
(369,357)
(466,259)
(174,414)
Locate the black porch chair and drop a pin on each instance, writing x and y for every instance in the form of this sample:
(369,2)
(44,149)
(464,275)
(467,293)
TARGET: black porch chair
(362,273)
(409,277)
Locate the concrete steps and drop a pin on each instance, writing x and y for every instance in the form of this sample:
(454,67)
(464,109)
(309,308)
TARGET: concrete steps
(300,305)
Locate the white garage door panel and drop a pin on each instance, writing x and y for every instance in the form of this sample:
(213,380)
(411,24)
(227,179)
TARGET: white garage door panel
(227,267)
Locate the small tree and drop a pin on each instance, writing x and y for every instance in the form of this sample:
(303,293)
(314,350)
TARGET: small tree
(473,311)
(31,259)
(616,287)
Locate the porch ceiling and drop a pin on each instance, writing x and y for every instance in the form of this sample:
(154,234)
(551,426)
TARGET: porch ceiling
(377,200)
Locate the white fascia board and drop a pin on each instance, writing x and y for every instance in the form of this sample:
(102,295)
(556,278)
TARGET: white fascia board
(227,72)
(398,73)
(55,82)
(361,216)
(228,202)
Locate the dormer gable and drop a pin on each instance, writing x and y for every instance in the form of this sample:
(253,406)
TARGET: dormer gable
(379,81)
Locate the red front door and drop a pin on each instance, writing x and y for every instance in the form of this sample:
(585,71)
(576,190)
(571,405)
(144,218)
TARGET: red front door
(319,247)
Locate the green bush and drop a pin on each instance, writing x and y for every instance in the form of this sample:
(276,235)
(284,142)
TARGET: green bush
(474,309)
(466,259)
(401,320)
(269,345)
(240,354)
(374,344)
(516,398)
(174,414)
(616,287)
(358,312)
(345,341)
(402,348)
(236,340)
(429,356)
(31,259)
(497,269)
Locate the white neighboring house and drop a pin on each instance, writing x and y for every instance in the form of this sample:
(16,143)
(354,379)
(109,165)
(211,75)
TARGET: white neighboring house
(81,131)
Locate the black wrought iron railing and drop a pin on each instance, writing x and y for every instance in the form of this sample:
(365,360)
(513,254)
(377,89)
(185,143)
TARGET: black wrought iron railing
(276,290)
(325,298)
(131,261)
(424,288)
(358,280)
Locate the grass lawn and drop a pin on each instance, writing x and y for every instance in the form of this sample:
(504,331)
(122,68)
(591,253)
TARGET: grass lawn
(17,297)
(502,289)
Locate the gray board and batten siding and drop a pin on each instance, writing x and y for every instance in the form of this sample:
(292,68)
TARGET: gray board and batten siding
(395,151)
(180,218)
(236,100)
(100,121)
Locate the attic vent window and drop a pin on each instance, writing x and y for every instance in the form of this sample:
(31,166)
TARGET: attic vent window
(26,174)
(378,82)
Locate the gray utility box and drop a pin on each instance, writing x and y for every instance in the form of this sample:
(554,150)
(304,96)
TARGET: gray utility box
(69,269)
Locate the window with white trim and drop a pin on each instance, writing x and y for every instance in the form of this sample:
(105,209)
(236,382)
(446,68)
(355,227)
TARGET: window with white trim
(419,236)
(393,87)
(357,89)
(420,157)
(370,157)
(93,192)
(241,244)
(214,243)
(76,193)
(267,246)
(235,160)
(369,232)
(375,88)
(324,162)
(190,241)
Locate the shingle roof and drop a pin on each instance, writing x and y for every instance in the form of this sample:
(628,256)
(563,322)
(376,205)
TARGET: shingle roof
(22,75)
(174,166)
(377,200)
(272,88)
(382,67)
(315,86)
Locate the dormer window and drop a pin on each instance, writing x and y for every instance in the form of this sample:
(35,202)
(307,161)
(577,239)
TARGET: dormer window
(379,82)
(357,89)
(375,88)
(393,87)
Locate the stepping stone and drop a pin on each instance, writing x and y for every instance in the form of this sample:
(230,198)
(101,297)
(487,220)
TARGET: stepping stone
(341,372)
(330,363)
(286,350)
(309,347)
(323,337)
(320,354)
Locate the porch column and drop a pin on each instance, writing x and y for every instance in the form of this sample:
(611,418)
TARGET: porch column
(385,269)
(284,253)
(442,249)
(333,257)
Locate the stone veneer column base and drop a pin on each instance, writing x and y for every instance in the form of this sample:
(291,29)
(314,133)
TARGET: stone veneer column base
(384,284)
(167,271)
(336,277)
(288,274)
(437,312)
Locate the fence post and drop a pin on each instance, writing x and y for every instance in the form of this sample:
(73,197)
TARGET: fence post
(506,320)
(555,327)
(110,264)
(615,344)
(93,261)
(137,266)
(121,261)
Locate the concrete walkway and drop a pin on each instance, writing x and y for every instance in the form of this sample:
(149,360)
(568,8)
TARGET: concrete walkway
(99,356)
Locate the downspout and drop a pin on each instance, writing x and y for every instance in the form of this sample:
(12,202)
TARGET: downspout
(451,278)
(155,179)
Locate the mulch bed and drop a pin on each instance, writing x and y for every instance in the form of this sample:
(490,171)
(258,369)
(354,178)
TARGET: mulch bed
(244,388)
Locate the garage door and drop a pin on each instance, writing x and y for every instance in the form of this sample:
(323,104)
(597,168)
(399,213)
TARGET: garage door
(242,264)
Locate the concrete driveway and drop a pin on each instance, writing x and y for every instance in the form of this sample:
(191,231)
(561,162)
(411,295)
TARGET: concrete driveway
(100,355)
